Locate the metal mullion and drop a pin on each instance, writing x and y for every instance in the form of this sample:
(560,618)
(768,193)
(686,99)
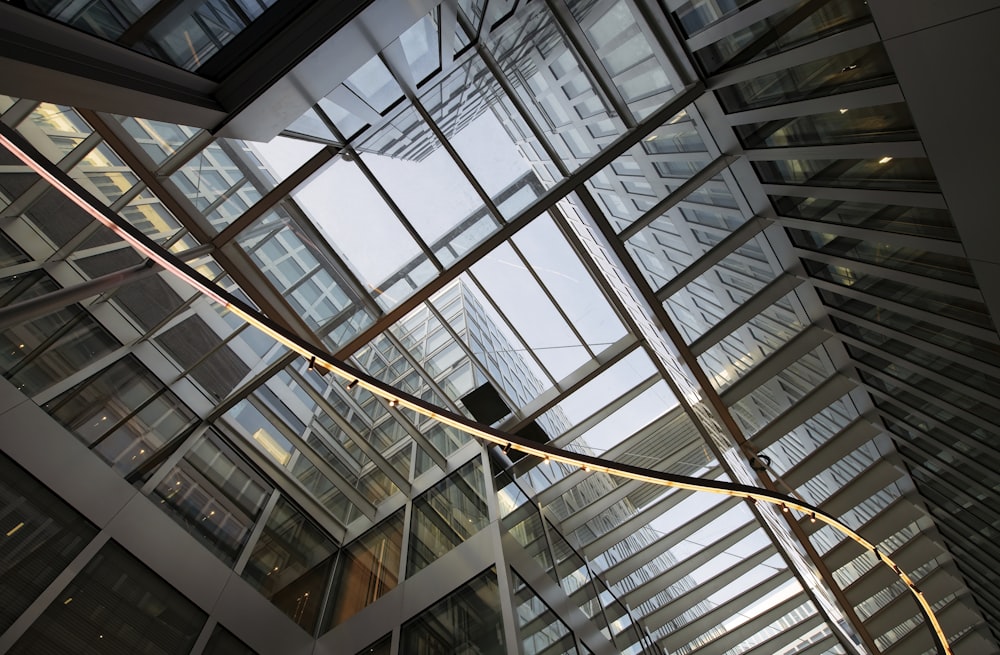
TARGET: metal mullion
(915,280)
(374,455)
(225,196)
(822,396)
(181,156)
(984,334)
(713,256)
(915,342)
(517,335)
(248,385)
(692,184)
(176,455)
(861,430)
(270,199)
(627,567)
(418,437)
(556,193)
(343,486)
(593,67)
(726,573)
(693,629)
(259,524)
(775,31)
(19,111)
(49,340)
(931,244)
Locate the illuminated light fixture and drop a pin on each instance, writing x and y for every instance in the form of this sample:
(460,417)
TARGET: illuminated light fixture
(812,517)
(843,111)
(312,363)
(171,264)
(784,508)
(848,68)
(351,384)
(885,160)
(15,529)
(506,449)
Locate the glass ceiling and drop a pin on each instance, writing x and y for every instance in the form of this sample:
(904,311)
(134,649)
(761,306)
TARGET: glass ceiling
(536,201)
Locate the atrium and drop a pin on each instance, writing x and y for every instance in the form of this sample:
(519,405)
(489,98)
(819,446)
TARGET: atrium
(482,327)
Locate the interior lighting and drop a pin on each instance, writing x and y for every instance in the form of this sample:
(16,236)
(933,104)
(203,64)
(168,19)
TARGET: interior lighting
(175,266)
(843,111)
(351,384)
(15,529)
(885,160)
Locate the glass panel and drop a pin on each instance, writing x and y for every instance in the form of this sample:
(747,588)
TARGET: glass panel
(623,48)
(367,568)
(919,221)
(467,621)
(375,85)
(121,415)
(150,616)
(421,47)
(883,173)
(55,130)
(911,260)
(215,495)
(853,70)
(859,125)
(446,515)
(290,564)
(558,93)
(159,140)
(42,536)
(540,629)
(223,642)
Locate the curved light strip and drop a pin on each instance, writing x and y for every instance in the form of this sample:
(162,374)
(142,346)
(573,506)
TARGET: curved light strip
(396,398)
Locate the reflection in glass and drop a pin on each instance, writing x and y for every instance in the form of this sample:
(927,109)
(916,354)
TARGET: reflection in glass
(882,173)
(290,563)
(467,621)
(150,616)
(853,70)
(215,495)
(859,125)
(446,515)
(540,629)
(367,568)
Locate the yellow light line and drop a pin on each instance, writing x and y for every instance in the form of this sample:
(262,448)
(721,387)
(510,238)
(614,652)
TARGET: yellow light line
(151,250)
(15,528)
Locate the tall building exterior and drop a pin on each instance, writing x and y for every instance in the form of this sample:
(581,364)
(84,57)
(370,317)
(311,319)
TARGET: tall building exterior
(741,241)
